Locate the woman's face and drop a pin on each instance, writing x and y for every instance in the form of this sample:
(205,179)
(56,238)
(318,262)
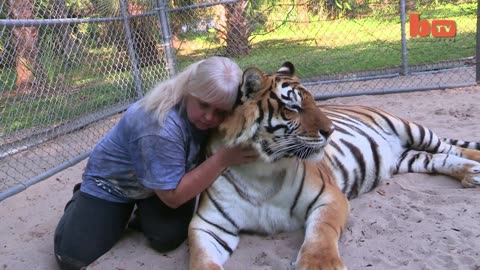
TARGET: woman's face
(204,115)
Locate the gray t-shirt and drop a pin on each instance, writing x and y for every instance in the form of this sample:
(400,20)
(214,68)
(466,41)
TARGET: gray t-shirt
(138,155)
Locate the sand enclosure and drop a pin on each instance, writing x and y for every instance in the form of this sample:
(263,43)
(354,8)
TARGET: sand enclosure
(412,221)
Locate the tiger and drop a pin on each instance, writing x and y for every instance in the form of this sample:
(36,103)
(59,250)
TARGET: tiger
(312,160)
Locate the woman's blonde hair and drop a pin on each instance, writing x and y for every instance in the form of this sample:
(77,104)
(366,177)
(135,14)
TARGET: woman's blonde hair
(214,80)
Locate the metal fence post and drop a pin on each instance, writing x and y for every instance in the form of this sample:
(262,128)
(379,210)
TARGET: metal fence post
(166,36)
(131,50)
(404,70)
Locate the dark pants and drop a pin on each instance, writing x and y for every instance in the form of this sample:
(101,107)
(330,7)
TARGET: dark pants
(91,226)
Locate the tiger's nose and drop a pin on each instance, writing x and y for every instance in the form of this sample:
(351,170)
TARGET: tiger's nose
(327,131)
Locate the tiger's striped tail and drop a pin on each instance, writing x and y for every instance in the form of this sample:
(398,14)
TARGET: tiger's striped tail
(463,144)
(421,138)
(427,153)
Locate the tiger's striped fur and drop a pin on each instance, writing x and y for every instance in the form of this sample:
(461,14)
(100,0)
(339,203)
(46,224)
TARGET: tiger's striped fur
(312,160)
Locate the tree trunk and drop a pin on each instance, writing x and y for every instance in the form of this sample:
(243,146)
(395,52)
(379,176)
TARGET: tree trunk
(302,15)
(143,40)
(237,30)
(410,6)
(26,50)
(63,33)
(221,20)
(144,43)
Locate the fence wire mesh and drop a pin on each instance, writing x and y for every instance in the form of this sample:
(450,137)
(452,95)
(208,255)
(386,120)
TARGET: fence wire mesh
(68,68)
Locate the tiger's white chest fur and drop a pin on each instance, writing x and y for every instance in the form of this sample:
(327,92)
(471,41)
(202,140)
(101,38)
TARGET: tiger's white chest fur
(265,195)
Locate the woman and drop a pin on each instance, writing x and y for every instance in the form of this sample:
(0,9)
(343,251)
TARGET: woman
(150,159)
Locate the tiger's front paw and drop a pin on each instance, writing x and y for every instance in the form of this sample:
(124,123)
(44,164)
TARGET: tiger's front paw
(205,266)
(320,262)
(472,177)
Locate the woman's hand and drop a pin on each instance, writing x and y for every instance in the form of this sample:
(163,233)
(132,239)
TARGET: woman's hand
(236,155)
(198,179)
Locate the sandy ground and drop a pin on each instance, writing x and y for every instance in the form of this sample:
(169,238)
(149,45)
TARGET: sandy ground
(411,221)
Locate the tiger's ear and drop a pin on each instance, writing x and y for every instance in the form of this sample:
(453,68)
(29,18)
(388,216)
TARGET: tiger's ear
(287,69)
(252,81)
(241,124)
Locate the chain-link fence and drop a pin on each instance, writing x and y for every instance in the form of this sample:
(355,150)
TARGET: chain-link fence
(69,68)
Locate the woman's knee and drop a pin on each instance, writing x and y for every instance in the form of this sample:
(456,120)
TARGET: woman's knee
(87,230)
(164,243)
(66,262)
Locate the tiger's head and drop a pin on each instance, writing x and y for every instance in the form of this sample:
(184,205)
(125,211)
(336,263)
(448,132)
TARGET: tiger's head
(278,116)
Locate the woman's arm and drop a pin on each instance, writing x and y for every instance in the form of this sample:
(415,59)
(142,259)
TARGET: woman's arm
(198,179)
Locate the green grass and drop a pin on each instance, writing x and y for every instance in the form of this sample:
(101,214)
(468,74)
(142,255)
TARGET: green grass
(53,110)
(325,47)
(7,80)
(349,45)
